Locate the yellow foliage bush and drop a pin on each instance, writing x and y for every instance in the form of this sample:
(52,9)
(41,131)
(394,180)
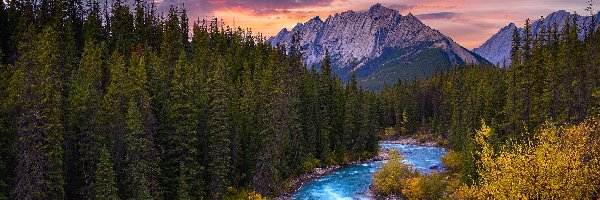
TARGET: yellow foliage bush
(388,180)
(413,189)
(452,161)
(243,194)
(432,186)
(255,196)
(558,164)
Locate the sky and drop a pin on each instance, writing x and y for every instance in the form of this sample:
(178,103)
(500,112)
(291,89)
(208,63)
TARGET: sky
(468,22)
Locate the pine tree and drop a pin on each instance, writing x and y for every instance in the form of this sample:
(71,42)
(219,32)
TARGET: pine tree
(268,134)
(170,50)
(40,129)
(540,101)
(84,103)
(524,76)
(185,29)
(308,117)
(143,143)
(6,133)
(172,42)
(184,116)
(104,184)
(114,108)
(325,94)
(121,28)
(92,26)
(218,139)
(136,151)
(513,90)
(141,23)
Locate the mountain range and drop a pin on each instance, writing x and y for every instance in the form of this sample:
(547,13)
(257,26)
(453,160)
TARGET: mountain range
(497,48)
(385,45)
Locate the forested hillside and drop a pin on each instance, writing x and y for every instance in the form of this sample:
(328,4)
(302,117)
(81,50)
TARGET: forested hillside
(112,102)
(527,131)
(107,101)
(555,78)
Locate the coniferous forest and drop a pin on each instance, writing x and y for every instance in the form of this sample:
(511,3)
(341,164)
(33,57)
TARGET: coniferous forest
(530,130)
(112,101)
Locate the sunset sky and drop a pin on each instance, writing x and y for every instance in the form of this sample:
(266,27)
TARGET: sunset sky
(468,22)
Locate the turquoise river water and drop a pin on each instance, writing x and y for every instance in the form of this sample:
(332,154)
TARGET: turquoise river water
(351,182)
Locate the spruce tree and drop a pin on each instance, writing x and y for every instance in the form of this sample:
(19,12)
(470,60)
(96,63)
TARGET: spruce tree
(143,144)
(84,103)
(40,129)
(121,28)
(6,133)
(325,95)
(218,138)
(104,184)
(135,154)
(511,77)
(183,114)
(524,76)
(92,26)
(114,108)
(350,138)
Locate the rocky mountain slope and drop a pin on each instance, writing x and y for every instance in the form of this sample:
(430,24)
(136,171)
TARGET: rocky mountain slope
(497,48)
(386,46)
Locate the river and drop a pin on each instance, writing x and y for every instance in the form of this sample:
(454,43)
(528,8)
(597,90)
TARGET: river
(353,181)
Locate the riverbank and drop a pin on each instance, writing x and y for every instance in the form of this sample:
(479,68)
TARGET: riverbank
(383,154)
(427,140)
(300,181)
(413,140)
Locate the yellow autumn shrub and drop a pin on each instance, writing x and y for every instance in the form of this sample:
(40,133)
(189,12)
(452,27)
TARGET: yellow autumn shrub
(432,186)
(255,196)
(388,180)
(413,189)
(560,163)
(451,161)
(243,194)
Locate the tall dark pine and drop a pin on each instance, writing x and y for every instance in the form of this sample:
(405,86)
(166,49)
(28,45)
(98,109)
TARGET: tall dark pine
(104,186)
(92,26)
(325,102)
(121,28)
(83,125)
(137,144)
(185,29)
(524,75)
(171,48)
(141,26)
(219,156)
(142,156)
(272,130)
(184,117)
(6,134)
(511,77)
(39,144)
(114,108)
(350,140)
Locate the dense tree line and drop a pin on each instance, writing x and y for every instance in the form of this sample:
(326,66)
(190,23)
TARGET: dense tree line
(554,77)
(112,102)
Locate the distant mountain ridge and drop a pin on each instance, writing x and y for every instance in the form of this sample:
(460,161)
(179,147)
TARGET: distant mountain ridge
(497,48)
(386,46)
